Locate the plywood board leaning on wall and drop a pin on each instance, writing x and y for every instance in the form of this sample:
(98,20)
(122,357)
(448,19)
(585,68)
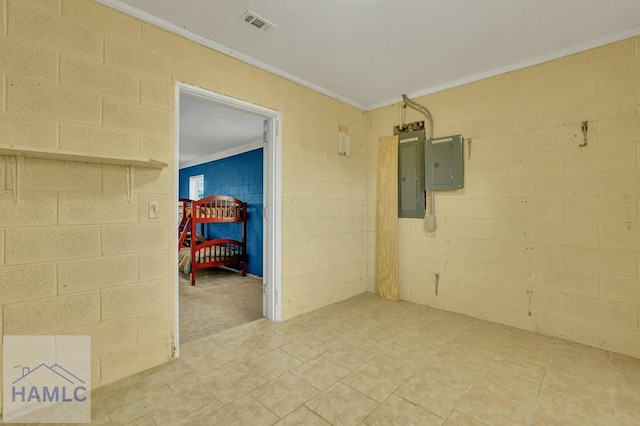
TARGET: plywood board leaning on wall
(387,219)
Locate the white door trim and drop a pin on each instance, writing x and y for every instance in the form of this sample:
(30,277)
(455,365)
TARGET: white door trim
(272,271)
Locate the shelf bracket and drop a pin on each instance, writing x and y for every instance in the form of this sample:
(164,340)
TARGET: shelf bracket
(130,174)
(17,168)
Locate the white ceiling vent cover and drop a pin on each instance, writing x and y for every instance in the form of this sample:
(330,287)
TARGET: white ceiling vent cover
(257,21)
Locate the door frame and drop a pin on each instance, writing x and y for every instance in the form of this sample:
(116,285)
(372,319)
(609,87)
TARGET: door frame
(272,223)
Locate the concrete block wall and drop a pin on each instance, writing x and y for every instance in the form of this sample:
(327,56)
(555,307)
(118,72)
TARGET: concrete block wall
(73,247)
(545,235)
(76,256)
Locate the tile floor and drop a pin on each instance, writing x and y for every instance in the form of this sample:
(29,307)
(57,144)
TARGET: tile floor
(221,299)
(373,362)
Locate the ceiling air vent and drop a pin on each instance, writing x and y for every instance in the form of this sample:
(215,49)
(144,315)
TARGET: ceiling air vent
(257,21)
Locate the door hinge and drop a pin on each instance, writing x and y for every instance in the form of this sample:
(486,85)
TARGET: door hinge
(264,288)
(277,128)
(265,212)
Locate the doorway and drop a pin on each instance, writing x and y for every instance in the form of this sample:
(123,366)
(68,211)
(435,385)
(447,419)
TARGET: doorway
(270,145)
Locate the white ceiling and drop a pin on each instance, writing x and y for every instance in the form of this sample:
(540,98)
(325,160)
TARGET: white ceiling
(369,52)
(209,131)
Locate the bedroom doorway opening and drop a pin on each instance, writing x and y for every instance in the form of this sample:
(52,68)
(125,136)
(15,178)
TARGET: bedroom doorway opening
(229,152)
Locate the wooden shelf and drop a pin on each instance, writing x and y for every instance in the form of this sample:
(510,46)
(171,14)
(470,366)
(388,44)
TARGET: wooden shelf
(54,154)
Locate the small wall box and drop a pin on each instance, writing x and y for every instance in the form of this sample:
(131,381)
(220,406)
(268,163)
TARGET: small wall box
(444,163)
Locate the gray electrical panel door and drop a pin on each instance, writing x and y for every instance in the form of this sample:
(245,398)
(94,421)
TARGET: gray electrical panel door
(443,163)
(411,201)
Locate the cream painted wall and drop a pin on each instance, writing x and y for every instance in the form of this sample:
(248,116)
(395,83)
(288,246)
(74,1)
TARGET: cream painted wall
(76,257)
(538,214)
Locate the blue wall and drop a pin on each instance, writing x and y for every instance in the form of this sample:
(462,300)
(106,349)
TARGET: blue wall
(239,176)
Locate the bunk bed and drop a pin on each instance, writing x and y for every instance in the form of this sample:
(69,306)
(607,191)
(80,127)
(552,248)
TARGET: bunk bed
(184,227)
(216,252)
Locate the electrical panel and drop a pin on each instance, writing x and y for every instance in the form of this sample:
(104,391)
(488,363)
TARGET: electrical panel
(443,163)
(411,174)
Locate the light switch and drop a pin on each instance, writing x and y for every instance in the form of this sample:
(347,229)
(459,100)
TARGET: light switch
(154,209)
